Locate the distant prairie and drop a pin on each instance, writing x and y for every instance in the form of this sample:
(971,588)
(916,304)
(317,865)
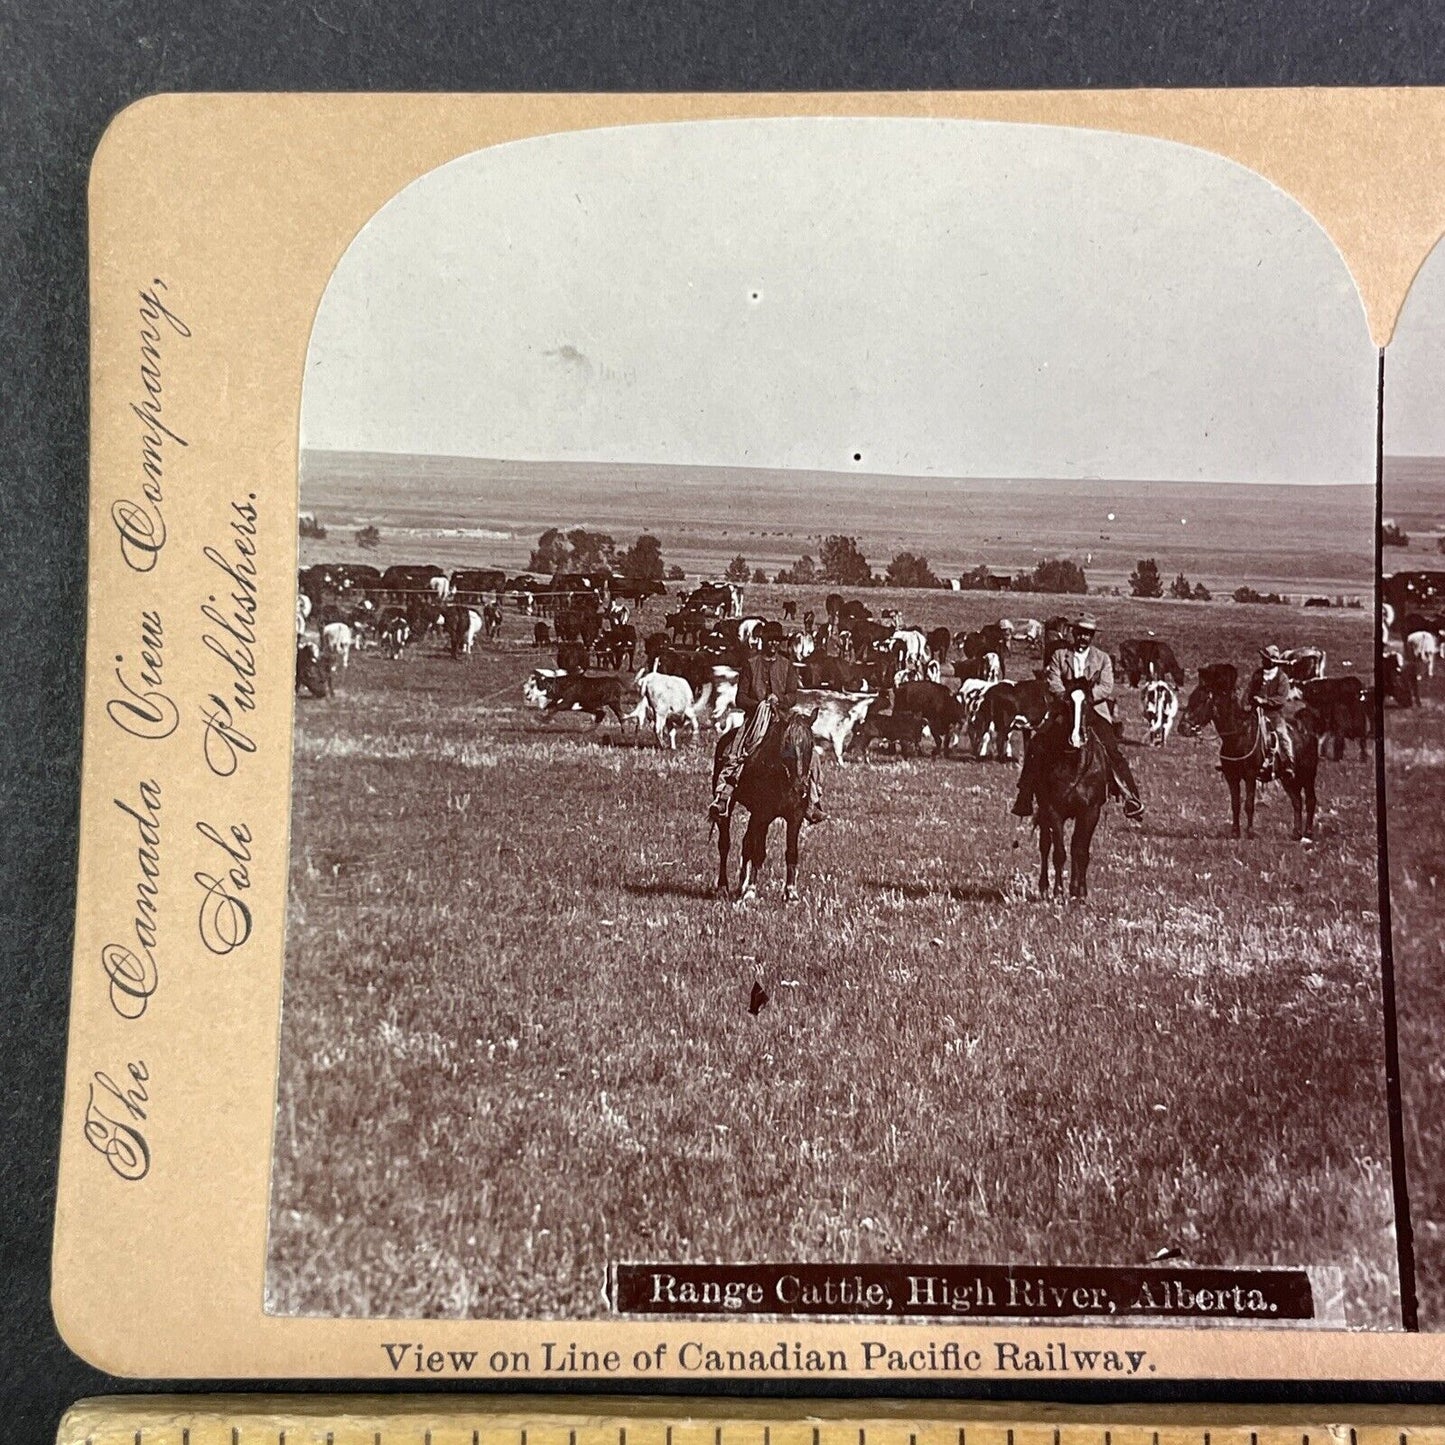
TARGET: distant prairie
(460,511)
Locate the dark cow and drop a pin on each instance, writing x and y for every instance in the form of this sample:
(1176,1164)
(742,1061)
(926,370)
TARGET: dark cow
(617,647)
(424,615)
(903,732)
(1008,707)
(636,589)
(1399,680)
(695,667)
(655,645)
(790,611)
(541,635)
(575,692)
(936,705)
(1147,658)
(313,670)
(492,621)
(689,625)
(839,674)
(1317,601)
(864,636)
(572,656)
(979,667)
(939,641)
(989,638)
(395,633)
(1340,711)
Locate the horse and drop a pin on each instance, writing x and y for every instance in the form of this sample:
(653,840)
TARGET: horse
(773,785)
(1243,754)
(1073,782)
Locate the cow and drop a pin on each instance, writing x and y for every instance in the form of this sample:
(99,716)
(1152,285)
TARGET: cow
(790,610)
(1421,648)
(395,633)
(440,588)
(665,704)
(1399,679)
(313,670)
(939,640)
(903,732)
(1161,710)
(834,716)
(841,675)
(464,626)
(492,620)
(936,705)
(1340,709)
(617,647)
(864,635)
(424,615)
(541,635)
(988,668)
(989,638)
(1148,658)
(636,589)
(909,648)
(801,646)
(552,692)
(337,640)
(572,657)
(1006,708)
(1027,630)
(654,645)
(1303,663)
(1317,601)
(303,611)
(696,667)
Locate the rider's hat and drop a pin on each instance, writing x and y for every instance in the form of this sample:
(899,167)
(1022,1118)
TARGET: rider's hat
(1272,655)
(771,631)
(1086,622)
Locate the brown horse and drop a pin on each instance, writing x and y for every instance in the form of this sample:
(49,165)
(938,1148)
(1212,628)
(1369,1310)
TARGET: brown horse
(773,785)
(1073,782)
(1243,753)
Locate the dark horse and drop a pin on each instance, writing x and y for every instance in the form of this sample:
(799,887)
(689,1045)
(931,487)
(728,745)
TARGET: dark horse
(1073,782)
(1242,754)
(773,785)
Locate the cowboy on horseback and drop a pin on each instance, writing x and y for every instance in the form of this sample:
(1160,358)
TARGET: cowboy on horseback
(767,690)
(1269,694)
(1080,661)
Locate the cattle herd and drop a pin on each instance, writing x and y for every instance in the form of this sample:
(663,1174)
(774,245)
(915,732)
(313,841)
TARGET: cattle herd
(1412,633)
(868,681)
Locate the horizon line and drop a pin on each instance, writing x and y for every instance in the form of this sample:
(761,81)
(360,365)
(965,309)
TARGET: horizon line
(858,475)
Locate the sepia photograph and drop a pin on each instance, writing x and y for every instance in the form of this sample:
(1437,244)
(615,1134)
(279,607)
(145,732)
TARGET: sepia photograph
(834,724)
(1412,699)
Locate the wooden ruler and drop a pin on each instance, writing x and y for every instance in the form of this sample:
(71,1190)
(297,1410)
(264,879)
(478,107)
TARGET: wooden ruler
(459,1420)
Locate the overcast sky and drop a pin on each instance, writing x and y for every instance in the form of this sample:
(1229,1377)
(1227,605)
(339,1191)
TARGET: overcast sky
(899,296)
(1415,367)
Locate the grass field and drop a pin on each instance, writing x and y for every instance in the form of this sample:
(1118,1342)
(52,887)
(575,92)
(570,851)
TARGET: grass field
(516,1043)
(1415,789)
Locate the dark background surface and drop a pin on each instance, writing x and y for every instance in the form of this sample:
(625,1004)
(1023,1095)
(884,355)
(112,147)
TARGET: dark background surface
(66,71)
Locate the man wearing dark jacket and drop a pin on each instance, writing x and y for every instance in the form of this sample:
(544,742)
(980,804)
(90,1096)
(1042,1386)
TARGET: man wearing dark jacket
(767,689)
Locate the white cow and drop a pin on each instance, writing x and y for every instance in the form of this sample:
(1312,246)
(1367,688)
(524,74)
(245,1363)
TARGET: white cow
(303,612)
(802,646)
(1161,710)
(1422,648)
(665,705)
(910,648)
(440,588)
(835,715)
(469,628)
(1028,630)
(971,697)
(337,640)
